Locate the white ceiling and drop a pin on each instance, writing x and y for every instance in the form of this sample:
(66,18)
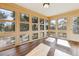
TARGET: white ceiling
(54,9)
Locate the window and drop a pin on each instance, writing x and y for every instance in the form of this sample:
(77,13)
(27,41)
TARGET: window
(24,22)
(41,27)
(41,24)
(6,41)
(75,25)
(46,27)
(47,34)
(63,35)
(35,36)
(7,14)
(34,19)
(41,21)
(62,24)
(24,18)
(34,23)
(53,24)
(34,27)
(24,37)
(52,34)
(24,27)
(7,26)
(46,24)
(42,34)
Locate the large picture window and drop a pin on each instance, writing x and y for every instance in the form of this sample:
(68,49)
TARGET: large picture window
(7,14)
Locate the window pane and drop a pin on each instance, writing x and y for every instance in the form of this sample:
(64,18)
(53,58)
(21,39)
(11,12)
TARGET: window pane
(46,27)
(42,34)
(47,34)
(53,24)
(24,37)
(7,26)
(46,22)
(62,24)
(24,18)
(52,34)
(34,27)
(7,14)
(34,19)
(35,36)
(24,27)
(76,25)
(41,27)
(7,41)
(41,21)
(64,35)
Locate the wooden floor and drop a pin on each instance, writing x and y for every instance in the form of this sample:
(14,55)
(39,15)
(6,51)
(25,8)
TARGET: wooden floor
(26,48)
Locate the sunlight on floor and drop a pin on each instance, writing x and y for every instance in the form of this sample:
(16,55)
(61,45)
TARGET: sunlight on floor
(63,42)
(40,50)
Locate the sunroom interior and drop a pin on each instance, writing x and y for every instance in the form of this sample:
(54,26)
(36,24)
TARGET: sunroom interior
(29,29)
